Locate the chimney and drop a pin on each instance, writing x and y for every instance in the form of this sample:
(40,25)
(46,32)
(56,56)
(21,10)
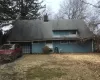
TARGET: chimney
(46,18)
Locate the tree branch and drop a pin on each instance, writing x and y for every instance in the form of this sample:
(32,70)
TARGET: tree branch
(90,4)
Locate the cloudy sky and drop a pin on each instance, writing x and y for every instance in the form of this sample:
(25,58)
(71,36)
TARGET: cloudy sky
(54,4)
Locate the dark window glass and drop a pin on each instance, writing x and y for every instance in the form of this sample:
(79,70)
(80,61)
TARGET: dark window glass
(6,47)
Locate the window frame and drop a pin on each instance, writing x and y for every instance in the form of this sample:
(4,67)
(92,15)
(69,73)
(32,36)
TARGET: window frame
(69,42)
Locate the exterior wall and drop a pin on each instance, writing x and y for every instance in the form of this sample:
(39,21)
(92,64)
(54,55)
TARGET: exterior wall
(37,47)
(74,47)
(63,47)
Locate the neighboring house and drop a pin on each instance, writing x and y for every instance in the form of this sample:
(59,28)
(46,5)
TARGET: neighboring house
(62,36)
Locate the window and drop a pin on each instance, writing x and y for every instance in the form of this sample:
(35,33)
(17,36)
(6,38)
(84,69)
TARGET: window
(64,42)
(60,33)
(68,42)
(6,46)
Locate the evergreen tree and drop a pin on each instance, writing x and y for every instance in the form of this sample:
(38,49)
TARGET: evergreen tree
(20,9)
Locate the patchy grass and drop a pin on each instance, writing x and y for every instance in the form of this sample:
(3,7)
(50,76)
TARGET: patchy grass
(53,67)
(44,73)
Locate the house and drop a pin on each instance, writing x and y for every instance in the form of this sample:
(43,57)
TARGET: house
(64,36)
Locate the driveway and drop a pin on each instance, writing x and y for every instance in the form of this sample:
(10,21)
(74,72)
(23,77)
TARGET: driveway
(53,67)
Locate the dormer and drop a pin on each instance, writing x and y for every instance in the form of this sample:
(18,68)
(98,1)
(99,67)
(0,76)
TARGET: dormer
(65,33)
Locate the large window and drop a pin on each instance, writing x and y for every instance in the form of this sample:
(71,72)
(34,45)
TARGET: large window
(64,32)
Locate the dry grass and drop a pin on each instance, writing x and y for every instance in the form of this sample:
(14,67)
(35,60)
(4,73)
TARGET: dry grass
(53,67)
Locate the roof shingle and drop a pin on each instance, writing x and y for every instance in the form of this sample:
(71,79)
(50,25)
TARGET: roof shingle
(30,30)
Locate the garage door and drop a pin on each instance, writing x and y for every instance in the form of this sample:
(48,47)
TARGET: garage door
(72,47)
(38,47)
(26,49)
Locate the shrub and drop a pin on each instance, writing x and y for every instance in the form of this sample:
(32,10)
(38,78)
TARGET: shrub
(46,49)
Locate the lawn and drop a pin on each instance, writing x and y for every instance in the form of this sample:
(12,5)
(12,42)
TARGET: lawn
(53,67)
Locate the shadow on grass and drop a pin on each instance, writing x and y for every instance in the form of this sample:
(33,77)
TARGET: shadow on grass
(4,62)
(44,73)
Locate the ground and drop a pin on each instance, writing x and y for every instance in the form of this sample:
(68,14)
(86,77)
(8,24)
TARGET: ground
(53,67)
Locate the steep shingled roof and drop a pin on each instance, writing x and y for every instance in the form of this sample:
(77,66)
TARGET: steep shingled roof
(29,30)
(73,24)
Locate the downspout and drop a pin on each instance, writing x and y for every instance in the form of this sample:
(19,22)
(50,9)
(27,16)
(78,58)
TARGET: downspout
(92,45)
(31,47)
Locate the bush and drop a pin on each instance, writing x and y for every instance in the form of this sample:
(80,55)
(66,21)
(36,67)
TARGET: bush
(46,49)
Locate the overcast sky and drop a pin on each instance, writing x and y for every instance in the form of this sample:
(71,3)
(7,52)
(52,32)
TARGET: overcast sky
(55,4)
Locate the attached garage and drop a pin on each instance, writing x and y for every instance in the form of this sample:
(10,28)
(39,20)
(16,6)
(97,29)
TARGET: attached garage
(26,49)
(26,46)
(71,47)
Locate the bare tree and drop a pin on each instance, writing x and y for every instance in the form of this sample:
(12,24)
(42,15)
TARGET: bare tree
(94,5)
(47,11)
(73,9)
(93,18)
(58,16)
